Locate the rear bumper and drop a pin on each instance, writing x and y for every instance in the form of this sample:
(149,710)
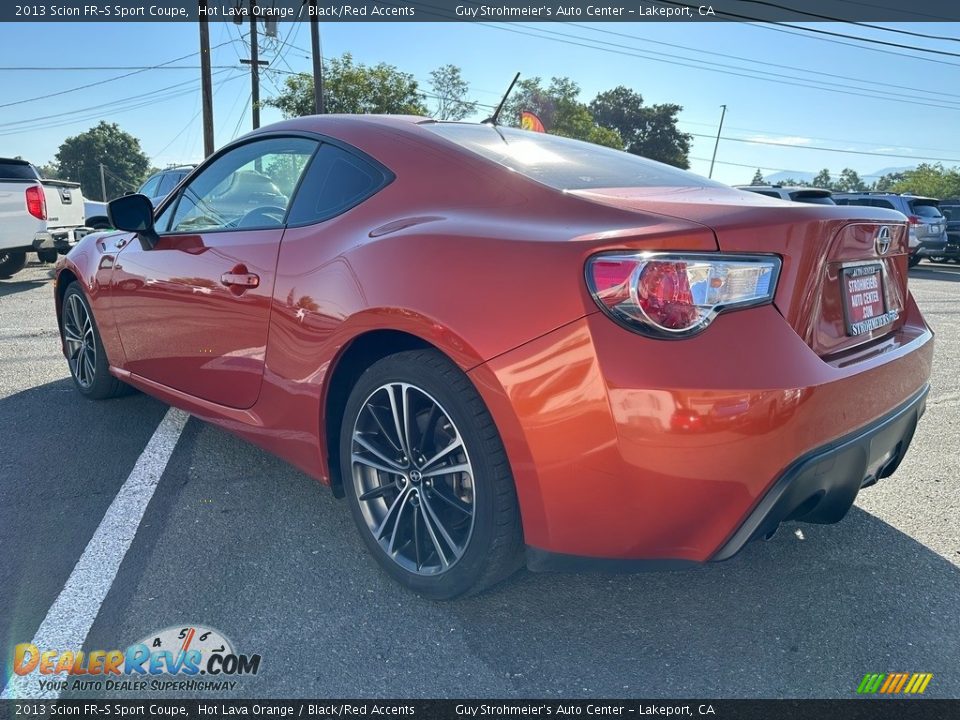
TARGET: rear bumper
(637,451)
(59,239)
(927,248)
(821,486)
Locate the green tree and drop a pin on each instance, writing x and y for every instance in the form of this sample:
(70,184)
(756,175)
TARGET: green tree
(560,110)
(351,87)
(50,170)
(930,180)
(849,181)
(451,91)
(886,183)
(758,178)
(647,130)
(125,164)
(823,180)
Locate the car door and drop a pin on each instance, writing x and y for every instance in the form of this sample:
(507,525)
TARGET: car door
(193,307)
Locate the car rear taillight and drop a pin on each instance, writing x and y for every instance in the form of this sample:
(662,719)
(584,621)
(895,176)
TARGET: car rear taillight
(914,219)
(670,295)
(36,202)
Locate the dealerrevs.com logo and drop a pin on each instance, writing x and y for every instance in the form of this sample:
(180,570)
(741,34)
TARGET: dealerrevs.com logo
(184,653)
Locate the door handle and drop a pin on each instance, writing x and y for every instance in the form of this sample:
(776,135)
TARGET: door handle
(240,279)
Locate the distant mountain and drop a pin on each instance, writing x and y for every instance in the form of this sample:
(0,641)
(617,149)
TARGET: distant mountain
(804,176)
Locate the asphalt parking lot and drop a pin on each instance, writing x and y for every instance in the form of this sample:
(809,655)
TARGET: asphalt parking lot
(237,540)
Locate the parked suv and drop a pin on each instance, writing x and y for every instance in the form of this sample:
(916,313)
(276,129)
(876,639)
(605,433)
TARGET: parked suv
(928,227)
(158,186)
(817,196)
(952,213)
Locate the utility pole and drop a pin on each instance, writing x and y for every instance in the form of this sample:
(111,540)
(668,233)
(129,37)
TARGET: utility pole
(103,185)
(317,59)
(717,143)
(206,82)
(254,67)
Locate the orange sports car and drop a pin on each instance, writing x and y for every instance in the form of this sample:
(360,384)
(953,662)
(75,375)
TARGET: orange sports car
(504,346)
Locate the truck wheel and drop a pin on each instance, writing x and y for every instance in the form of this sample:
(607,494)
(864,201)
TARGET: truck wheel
(11,261)
(47,256)
(914,260)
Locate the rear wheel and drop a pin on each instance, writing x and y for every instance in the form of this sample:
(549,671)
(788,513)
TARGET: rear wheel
(914,260)
(86,357)
(11,262)
(47,256)
(427,478)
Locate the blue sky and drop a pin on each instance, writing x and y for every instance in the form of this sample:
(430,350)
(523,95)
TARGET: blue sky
(161,107)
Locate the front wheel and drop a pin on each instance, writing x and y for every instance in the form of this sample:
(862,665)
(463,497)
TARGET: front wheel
(86,357)
(427,478)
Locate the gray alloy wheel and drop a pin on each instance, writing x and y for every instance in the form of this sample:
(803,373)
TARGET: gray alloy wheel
(80,342)
(427,478)
(413,477)
(86,357)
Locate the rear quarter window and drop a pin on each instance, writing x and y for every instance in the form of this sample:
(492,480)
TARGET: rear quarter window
(335,182)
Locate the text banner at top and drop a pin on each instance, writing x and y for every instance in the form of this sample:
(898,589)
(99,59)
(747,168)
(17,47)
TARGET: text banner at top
(805,11)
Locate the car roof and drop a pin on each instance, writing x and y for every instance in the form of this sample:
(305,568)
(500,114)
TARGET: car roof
(788,188)
(14,161)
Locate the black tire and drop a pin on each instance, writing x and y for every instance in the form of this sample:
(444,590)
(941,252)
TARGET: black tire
(47,256)
(11,262)
(913,261)
(86,359)
(492,548)
(99,224)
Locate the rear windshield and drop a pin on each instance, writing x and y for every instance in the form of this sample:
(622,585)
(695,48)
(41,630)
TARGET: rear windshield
(565,164)
(868,202)
(924,209)
(813,197)
(13,170)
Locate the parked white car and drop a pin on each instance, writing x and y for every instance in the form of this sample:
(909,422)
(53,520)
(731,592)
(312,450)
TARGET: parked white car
(42,216)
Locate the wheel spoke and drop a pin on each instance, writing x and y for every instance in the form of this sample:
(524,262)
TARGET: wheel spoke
(439,525)
(386,435)
(426,428)
(379,491)
(450,470)
(396,421)
(396,526)
(69,334)
(433,538)
(88,364)
(359,439)
(455,504)
(457,443)
(418,558)
(373,464)
(392,515)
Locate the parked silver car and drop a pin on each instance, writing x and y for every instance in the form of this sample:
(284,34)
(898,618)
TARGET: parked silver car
(928,227)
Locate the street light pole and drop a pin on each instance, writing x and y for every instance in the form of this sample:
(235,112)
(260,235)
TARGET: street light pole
(717,143)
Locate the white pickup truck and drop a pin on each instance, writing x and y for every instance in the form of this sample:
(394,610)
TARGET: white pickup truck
(41,216)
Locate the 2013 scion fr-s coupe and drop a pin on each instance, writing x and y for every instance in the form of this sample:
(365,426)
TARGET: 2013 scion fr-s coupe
(501,345)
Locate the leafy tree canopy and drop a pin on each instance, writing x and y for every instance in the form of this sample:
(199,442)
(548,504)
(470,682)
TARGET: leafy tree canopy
(451,92)
(125,164)
(350,87)
(647,130)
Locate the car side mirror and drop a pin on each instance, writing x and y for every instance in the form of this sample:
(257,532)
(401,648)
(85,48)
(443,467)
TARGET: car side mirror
(133,213)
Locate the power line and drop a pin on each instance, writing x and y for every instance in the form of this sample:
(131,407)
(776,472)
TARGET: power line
(834,150)
(752,60)
(136,71)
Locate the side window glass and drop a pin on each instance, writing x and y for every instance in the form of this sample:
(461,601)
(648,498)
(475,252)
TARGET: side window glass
(168,181)
(149,188)
(247,188)
(335,182)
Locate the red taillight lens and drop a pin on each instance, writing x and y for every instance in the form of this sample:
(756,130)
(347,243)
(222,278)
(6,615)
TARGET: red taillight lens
(36,202)
(914,219)
(663,291)
(674,295)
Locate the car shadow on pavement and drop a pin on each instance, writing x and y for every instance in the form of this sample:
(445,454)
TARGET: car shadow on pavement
(12,285)
(236,539)
(62,460)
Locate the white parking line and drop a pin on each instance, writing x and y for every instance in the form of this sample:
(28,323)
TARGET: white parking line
(72,614)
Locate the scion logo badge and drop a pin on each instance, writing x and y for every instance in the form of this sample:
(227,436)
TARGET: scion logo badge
(883,239)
